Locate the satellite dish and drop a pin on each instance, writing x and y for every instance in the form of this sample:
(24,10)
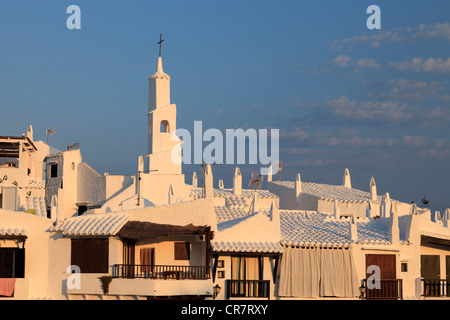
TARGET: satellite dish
(425,201)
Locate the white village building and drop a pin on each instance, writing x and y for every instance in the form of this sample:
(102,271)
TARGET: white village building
(65,230)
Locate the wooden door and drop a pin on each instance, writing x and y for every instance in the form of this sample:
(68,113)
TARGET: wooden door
(447,268)
(388,286)
(146,261)
(128,268)
(430,267)
(430,272)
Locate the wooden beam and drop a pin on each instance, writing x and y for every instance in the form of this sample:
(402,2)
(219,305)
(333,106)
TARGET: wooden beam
(275,268)
(247,254)
(428,239)
(216,260)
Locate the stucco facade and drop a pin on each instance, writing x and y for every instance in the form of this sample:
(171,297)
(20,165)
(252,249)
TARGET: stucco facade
(157,236)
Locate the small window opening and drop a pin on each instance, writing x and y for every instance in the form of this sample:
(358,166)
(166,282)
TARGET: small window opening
(165,126)
(53,171)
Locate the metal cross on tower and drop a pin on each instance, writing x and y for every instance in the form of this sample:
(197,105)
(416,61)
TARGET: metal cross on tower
(160,41)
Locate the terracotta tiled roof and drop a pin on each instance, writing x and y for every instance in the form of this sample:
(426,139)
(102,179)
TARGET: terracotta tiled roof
(101,224)
(244,246)
(229,213)
(329,192)
(225,193)
(13,231)
(314,228)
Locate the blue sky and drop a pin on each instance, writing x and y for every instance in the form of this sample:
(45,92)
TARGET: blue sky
(342,96)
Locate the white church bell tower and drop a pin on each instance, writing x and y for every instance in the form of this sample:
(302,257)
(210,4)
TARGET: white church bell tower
(163,159)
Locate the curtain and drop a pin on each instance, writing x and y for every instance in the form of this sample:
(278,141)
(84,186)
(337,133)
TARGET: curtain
(300,273)
(251,268)
(318,273)
(244,268)
(251,273)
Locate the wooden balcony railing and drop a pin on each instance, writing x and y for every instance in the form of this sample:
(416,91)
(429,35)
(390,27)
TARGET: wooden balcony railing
(435,288)
(248,288)
(135,271)
(389,289)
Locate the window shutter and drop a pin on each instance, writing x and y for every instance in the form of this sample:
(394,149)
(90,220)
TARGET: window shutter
(182,250)
(90,255)
(12,263)
(19,265)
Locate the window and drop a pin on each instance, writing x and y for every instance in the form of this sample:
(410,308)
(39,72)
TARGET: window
(404,267)
(164,127)
(81,209)
(12,263)
(53,170)
(245,273)
(181,250)
(147,257)
(90,255)
(245,268)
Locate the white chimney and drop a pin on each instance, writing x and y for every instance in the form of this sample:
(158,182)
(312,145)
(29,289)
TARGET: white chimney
(237,182)
(346,180)
(445,218)
(269,174)
(298,188)
(194,180)
(369,210)
(54,209)
(413,210)
(394,232)
(353,228)
(337,210)
(30,132)
(275,212)
(386,206)
(209,190)
(255,202)
(298,185)
(373,190)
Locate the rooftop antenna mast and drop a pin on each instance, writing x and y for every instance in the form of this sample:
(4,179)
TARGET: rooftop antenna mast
(50,132)
(257,182)
(280,168)
(139,185)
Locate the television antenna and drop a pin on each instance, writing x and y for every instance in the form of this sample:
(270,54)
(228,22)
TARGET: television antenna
(50,132)
(280,168)
(257,182)
(139,185)
(73,146)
